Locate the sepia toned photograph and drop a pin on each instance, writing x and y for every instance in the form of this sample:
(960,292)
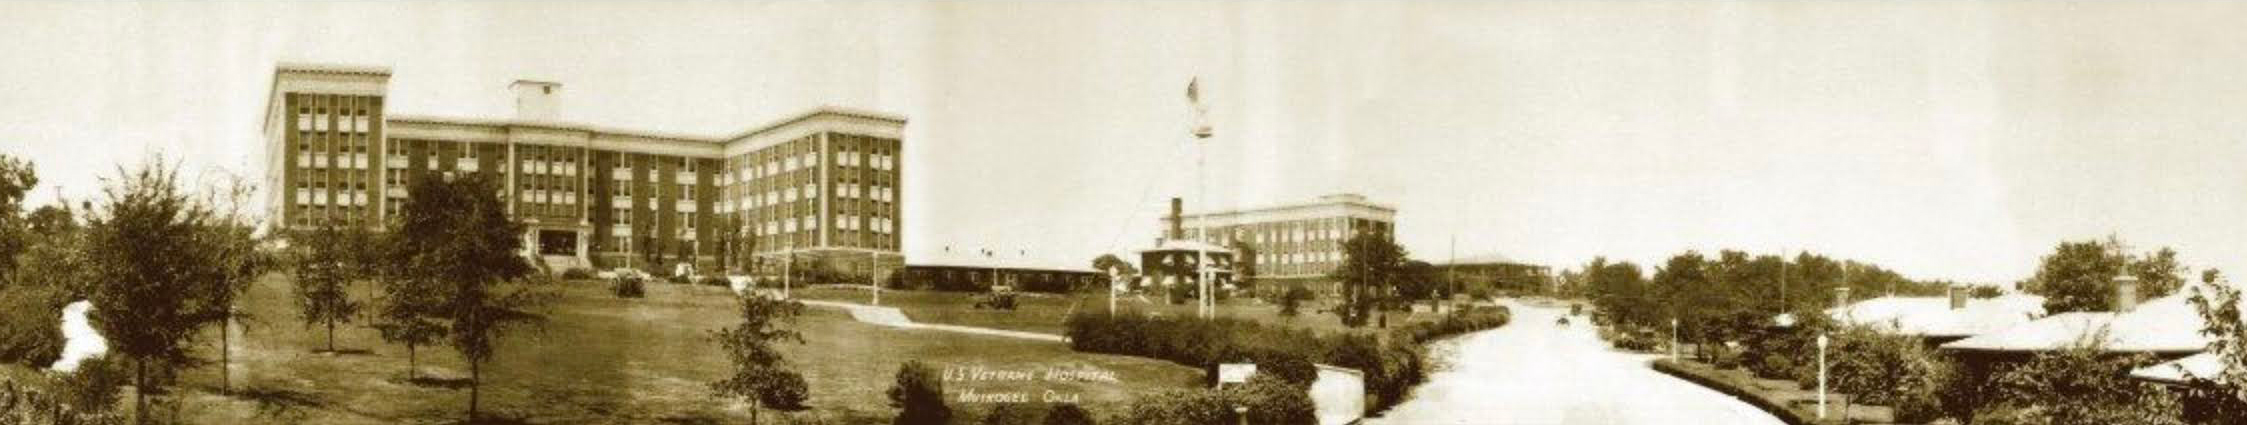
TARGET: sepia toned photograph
(1199,212)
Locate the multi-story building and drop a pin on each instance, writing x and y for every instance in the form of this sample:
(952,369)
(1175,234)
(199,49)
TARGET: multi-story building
(820,189)
(1295,242)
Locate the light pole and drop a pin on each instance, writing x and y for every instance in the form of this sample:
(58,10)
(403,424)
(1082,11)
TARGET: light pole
(1673,339)
(1821,376)
(870,259)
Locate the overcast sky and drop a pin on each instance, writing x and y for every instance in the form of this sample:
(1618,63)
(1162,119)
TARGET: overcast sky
(1953,140)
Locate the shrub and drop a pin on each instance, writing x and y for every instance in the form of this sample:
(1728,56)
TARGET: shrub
(95,386)
(31,325)
(1068,414)
(1268,400)
(1888,370)
(715,281)
(682,280)
(919,395)
(1009,414)
(577,273)
(629,287)
(1772,365)
(2081,385)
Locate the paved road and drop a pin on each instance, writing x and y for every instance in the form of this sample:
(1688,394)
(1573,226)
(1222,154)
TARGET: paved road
(1535,372)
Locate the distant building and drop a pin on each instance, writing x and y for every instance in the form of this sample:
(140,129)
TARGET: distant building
(1291,242)
(1496,272)
(980,271)
(821,188)
(1176,259)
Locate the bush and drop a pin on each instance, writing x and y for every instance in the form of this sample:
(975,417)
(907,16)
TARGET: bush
(577,273)
(715,281)
(629,287)
(1068,414)
(919,395)
(31,325)
(1887,370)
(1291,302)
(1269,401)
(95,386)
(682,280)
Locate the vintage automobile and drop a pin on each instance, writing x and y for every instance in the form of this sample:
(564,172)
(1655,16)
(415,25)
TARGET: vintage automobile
(1001,297)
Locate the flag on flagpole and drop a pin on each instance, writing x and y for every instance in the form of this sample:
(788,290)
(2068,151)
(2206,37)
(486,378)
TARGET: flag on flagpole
(1201,127)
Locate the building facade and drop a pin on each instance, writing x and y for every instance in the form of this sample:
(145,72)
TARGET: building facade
(1292,242)
(819,189)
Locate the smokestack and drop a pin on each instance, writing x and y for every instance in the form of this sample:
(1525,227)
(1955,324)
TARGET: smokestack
(1958,297)
(1841,297)
(536,101)
(2125,292)
(1177,219)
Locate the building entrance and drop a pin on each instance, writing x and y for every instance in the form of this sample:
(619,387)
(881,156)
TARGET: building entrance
(557,242)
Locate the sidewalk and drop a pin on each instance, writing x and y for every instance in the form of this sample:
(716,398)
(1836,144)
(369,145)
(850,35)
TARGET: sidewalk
(892,317)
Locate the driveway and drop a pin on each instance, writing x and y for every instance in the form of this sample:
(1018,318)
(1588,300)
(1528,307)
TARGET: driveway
(1533,371)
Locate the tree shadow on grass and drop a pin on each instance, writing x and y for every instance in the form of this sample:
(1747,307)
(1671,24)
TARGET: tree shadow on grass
(281,403)
(435,382)
(343,351)
(495,418)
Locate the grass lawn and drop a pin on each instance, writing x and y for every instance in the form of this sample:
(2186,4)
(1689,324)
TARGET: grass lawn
(600,359)
(1046,313)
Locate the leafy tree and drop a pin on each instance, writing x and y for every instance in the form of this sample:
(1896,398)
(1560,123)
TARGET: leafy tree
(49,274)
(17,177)
(760,374)
(919,395)
(2079,276)
(161,266)
(1291,302)
(1418,280)
(457,241)
(1244,262)
(1889,370)
(2081,385)
(1368,273)
(324,273)
(2223,395)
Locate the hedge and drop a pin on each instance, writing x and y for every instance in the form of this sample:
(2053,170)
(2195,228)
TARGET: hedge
(1393,362)
(1720,384)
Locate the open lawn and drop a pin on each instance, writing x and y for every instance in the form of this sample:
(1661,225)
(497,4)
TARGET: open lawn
(1046,313)
(601,359)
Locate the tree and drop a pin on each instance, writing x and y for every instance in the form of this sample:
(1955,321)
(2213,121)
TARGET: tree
(1889,370)
(2223,395)
(17,177)
(919,395)
(2079,276)
(760,374)
(1418,280)
(1369,269)
(458,243)
(1291,302)
(161,266)
(324,273)
(1244,262)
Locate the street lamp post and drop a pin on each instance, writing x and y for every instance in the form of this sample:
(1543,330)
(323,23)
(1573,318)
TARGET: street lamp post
(1673,340)
(1821,376)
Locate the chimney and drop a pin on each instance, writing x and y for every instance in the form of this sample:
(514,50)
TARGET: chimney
(2125,292)
(1177,219)
(536,101)
(1841,297)
(1958,297)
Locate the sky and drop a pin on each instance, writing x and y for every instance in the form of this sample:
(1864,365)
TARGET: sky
(1944,140)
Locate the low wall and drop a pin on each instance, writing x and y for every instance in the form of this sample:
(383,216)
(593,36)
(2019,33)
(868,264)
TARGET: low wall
(1339,394)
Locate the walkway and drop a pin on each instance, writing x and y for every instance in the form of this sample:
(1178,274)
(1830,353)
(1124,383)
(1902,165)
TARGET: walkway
(892,317)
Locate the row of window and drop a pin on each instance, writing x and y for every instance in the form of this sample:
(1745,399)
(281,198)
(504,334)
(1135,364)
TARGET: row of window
(341,160)
(308,120)
(1298,258)
(310,196)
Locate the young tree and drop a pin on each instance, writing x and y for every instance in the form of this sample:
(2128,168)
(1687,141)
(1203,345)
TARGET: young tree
(458,243)
(919,396)
(1244,262)
(17,177)
(324,273)
(1291,302)
(760,375)
(162,266)
(1370,264)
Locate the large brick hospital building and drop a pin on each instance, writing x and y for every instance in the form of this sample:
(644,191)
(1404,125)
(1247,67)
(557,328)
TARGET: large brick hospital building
(820,187)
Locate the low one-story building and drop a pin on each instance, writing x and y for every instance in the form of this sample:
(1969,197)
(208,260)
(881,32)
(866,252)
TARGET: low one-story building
(980,271)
